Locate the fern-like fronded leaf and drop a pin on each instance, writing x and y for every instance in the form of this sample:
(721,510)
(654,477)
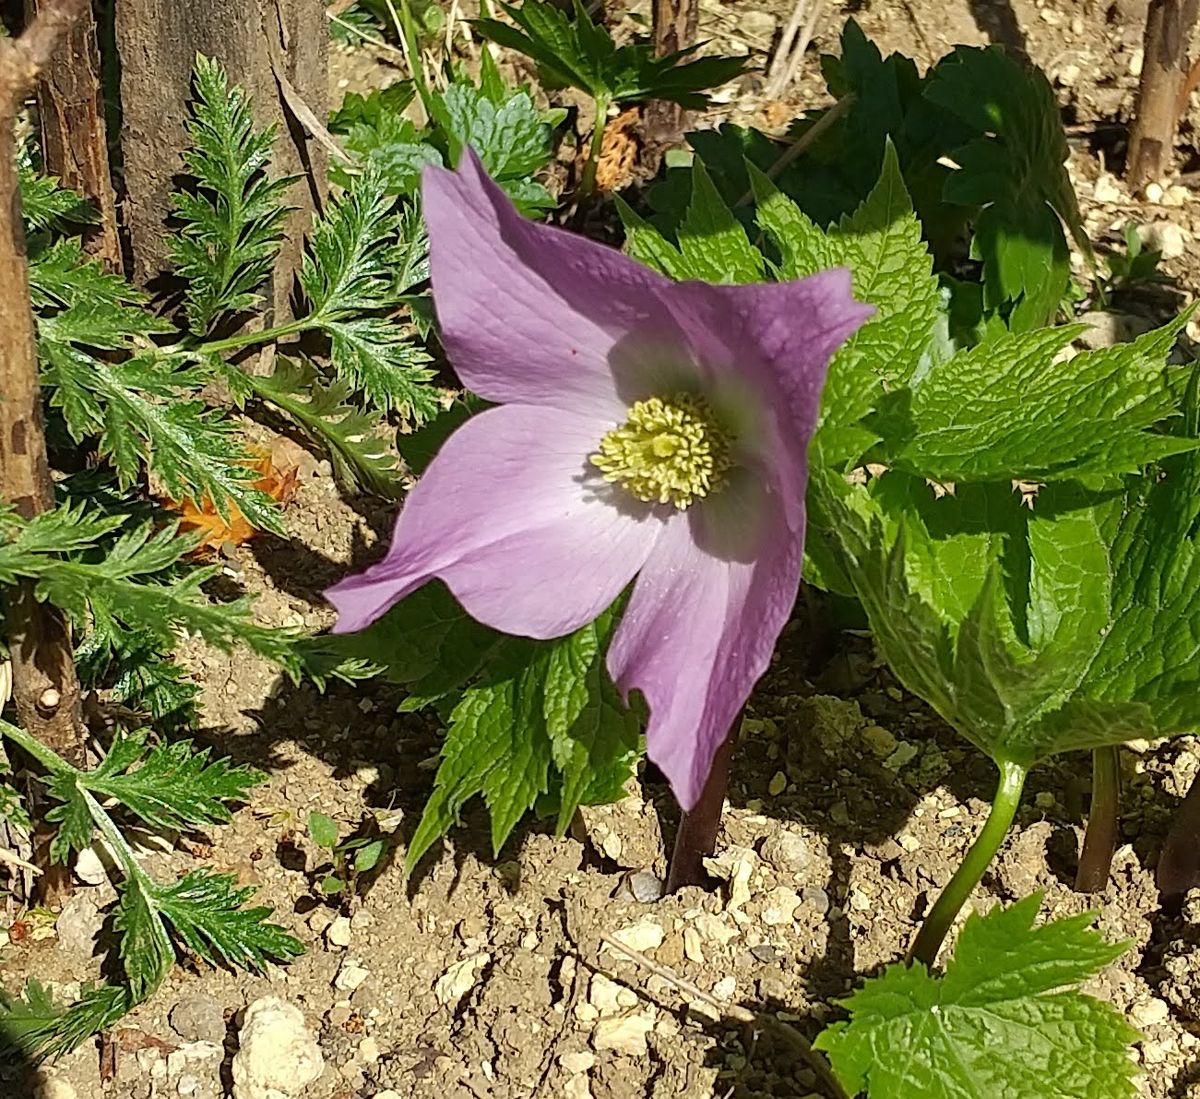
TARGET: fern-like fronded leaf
(231,224)
(352,438)
(33,1028)
(137,670)
(47,204)
(172,786)
(349,277)
(146,413)
(209,914)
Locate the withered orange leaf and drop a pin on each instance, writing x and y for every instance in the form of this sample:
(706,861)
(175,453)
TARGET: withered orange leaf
(217,531)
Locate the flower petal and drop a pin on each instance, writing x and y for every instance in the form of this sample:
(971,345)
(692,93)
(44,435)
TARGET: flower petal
(702,623)
(529,314)
(510,518)
(773,342)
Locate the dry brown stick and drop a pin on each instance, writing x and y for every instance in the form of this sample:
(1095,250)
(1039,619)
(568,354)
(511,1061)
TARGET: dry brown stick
(45,687)
(736,1012)
(74,134)
(804,141)
(792,47)
(1169,25)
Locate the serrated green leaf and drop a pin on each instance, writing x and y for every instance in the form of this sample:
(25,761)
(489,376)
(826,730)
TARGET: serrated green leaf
(209,913)
(712,242)
(46,204)
(348,277)
(139,672)
(145,412)
(512,138)
(73,817)
(136,586)
(231,225)
(172,786)
(145,946)
(892,270)
(1015,170)
(322,830)
(1040,416)
(426,642)
(572,50)
(1005,1019)
(33,1028)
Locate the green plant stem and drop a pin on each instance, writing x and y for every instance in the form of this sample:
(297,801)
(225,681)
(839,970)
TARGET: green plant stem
(1100,838)
(249,339)
(958,890)
(588,181)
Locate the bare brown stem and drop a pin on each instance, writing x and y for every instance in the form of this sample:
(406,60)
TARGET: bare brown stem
(675,25)
(45,687)
(1169,26)
(1179,863)
(697,836)
(1103,826)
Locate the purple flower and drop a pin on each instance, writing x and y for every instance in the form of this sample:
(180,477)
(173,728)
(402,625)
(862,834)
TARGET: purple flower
(644,429)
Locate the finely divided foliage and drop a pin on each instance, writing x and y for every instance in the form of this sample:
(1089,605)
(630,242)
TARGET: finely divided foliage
(122,575)
(233,221)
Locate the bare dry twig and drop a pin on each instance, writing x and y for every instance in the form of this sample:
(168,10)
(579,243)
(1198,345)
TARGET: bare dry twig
(793,1037)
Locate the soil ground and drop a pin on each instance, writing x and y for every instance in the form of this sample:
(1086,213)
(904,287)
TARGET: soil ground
(850,802)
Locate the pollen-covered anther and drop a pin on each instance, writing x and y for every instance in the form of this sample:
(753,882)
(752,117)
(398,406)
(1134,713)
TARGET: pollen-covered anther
(670,450)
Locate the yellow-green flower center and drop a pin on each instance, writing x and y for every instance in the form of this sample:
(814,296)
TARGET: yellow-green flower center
(669,451)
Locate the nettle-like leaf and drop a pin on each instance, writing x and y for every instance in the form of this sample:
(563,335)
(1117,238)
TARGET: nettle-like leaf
(231,224)
(1015,173)
(1006,1018)
(530,724)
(1033,631)
(573,51)
(387,142)
(1041,414)
(892,270)
(348,277)
(711,243)
(880,243)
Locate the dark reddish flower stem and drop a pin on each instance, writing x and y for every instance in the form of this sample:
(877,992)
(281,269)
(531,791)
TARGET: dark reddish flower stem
(697,835)
(1100,839)
(1179,863)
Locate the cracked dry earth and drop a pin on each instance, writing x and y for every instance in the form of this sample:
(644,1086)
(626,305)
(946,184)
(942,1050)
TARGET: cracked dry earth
(850,803)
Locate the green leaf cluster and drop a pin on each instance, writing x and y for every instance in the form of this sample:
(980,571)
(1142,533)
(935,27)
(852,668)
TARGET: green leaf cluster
(513,138)
(165,786)
(573,51)
(530,725)
(1006,1018)
(979,143)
